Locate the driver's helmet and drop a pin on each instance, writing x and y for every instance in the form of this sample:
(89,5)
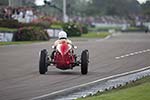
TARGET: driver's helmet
(62,35)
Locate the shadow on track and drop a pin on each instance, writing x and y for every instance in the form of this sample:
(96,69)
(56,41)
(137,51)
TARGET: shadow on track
(62,73)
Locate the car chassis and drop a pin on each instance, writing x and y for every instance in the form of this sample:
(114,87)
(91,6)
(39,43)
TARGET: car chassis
(64,59)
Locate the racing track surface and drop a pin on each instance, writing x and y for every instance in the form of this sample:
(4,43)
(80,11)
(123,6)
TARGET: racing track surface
(20,80)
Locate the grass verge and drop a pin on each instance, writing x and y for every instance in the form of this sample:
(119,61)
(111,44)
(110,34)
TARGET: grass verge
(140,90)
(19,42)
(103,28)
(7,29)
(82,38)
(96,35)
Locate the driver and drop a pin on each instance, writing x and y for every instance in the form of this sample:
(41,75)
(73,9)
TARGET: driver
(62,36)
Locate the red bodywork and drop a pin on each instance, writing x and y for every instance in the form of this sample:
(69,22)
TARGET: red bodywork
(64,57)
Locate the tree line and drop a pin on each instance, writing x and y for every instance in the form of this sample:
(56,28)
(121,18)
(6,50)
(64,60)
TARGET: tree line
(98,7)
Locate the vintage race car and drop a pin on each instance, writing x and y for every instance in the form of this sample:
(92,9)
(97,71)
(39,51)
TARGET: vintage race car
(64,58)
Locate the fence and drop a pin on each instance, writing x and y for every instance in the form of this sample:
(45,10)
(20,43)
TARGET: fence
(53,33)
(6,37)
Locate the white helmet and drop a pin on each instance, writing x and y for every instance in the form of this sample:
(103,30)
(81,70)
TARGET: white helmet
(62,34)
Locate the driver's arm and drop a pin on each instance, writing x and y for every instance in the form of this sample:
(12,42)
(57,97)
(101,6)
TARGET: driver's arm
(56,42)
(69,41)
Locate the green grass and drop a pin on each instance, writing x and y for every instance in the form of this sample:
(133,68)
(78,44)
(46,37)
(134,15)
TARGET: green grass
(82,38)
(96,35)
(139,90)
(103,28)
(135,28)
(7,29)
(56,26)
(19,42)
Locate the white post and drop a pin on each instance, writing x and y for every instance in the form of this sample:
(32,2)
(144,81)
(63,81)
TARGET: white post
(9,3)
(65,17)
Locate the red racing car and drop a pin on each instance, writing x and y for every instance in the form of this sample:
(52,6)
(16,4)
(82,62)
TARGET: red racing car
(64,58)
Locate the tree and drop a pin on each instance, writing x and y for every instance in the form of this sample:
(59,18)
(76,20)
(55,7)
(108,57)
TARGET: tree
(3,2)
(114,7)
(146,8)
(97,7)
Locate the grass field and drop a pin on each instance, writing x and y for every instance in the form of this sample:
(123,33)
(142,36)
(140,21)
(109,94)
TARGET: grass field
(7,29)
(140,90)
(103,28)
(96,35)
(20,42)
(82,38)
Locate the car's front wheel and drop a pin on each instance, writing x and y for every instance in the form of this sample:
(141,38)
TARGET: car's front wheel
(84,62)
(42,63)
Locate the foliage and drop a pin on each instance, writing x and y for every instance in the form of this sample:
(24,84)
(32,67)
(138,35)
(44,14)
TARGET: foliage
(99,7)
(39,24)
(146,8)
(69,5)
(31,34)
(84,28)
(28,3)
(3,2)
(18,2)
(72,29)
(44,21)
(91,7)
(114,7)
(9,23)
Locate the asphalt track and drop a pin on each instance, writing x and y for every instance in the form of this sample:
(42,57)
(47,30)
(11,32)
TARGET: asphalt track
(20,79)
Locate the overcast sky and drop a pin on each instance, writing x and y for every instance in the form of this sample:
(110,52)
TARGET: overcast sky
(40,2)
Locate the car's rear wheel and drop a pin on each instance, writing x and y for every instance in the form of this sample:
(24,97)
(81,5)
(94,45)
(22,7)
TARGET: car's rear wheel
(84,62)
(43,62)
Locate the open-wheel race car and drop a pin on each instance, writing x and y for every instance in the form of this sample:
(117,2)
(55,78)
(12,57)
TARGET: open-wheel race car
(63,58)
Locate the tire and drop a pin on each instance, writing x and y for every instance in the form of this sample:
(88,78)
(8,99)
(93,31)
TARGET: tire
(42,63)
(84,62)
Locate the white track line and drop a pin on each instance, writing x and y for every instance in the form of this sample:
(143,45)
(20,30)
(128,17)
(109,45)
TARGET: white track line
(107,37)
(132,54)
(90,83)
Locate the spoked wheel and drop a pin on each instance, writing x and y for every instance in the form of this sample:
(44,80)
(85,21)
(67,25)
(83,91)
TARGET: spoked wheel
(43,62)
(84,62)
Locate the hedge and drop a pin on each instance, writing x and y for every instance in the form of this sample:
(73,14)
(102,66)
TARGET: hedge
(72,29)
(10,23)
(31,34)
